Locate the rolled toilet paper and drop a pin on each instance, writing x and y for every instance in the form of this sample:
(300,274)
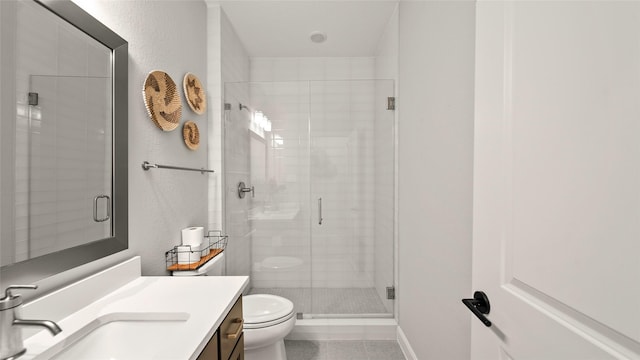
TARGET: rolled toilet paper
(186,255)
(193,236)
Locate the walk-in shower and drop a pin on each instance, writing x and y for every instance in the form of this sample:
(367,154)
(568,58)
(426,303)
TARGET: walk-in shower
(309,193)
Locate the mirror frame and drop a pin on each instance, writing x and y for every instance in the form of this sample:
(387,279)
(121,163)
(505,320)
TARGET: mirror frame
(33,270)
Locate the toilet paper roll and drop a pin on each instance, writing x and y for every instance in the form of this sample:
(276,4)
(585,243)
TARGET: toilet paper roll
(193,236)
(186,255)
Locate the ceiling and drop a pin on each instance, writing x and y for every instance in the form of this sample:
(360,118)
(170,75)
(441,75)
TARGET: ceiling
(282,28)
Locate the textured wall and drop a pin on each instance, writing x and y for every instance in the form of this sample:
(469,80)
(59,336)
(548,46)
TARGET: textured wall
(170,36)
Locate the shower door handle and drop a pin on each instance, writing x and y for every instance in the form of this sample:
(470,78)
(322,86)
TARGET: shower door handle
(319,211)
(95,208)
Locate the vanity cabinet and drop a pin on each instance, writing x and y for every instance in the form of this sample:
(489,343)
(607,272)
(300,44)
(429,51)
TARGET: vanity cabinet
(210,351)
(228,342)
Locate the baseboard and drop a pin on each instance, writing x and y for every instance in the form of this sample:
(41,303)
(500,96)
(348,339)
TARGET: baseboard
(344,329)
(405,346)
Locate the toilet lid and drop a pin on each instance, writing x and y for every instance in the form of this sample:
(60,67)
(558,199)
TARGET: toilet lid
(262,308)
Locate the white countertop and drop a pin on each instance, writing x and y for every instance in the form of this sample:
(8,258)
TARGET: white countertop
(196,304)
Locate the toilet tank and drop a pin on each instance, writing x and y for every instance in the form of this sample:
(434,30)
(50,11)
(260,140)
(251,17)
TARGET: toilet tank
(213,267)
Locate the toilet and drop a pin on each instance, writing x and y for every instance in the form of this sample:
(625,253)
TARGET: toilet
(267,318)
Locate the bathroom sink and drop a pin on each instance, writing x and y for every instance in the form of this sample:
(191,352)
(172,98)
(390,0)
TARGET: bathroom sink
(120,336)
(119,314)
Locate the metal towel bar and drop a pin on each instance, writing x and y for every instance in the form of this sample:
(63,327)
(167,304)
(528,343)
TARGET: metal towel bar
(147,165)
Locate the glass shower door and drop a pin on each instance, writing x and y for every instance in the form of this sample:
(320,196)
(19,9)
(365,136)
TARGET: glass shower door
(64,150)
(273,123)
(318,228)
(352,196)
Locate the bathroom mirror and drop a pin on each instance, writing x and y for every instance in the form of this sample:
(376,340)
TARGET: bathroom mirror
(63,139)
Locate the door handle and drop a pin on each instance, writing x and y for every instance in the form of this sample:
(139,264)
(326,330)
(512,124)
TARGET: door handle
(479,306)
(95,208)
(320,211)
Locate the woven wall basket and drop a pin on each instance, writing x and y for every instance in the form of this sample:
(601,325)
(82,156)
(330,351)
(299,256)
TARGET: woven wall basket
(195,94)
(162,100)
(191,135)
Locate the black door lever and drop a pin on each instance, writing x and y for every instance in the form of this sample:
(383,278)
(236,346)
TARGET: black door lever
(479,306)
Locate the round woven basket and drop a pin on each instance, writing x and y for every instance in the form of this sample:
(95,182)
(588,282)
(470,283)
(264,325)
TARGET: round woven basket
(191,135)
(195,94)
(162,100)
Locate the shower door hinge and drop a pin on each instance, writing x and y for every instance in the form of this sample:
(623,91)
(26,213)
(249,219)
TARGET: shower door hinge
(227,106)
(33,98)
(391,103)
(391,292)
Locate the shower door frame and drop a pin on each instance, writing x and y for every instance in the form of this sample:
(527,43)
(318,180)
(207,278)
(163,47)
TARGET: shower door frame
(390,313)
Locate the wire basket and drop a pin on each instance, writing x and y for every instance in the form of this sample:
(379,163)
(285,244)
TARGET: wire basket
(186,257)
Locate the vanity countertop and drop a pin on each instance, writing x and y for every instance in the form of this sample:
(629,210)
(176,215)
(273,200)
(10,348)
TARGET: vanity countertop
(195,306)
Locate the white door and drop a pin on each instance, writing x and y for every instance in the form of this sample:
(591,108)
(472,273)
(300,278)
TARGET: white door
(556,237)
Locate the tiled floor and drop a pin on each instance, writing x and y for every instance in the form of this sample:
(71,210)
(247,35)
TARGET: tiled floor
(329,300)
(343,350)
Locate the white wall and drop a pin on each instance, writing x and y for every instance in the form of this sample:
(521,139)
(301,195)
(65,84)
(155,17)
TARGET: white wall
(311,68)
(166,35)
(435,105)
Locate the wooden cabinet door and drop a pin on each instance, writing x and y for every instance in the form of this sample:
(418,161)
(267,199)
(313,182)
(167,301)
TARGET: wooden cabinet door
(238,352)
(210,351)
(231,330)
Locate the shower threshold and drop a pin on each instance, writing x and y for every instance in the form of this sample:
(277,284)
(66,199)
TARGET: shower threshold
(303,316)
(331,302)
(345,329)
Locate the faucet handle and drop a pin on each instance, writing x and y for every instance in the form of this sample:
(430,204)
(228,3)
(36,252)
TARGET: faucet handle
(10,300)
(7,292)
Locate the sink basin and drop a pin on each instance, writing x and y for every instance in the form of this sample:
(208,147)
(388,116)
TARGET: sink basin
(119,314)
(119,336)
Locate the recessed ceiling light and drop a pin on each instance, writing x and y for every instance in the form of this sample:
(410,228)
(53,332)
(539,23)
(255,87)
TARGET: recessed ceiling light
(318,37)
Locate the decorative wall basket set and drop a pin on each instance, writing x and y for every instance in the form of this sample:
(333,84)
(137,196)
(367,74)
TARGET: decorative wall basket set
(162,100)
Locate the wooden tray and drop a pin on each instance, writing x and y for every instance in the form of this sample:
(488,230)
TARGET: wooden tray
(197,264)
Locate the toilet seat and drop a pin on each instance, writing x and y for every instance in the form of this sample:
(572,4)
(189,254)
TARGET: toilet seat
(264,310)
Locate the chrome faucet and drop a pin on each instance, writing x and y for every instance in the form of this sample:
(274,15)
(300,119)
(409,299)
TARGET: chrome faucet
(11,345)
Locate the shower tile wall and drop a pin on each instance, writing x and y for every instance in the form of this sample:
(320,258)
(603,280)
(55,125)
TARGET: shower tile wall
(236,168)
(233,67)
(342,174)
(342,116)
(308,68)
(280,214)
(56,204)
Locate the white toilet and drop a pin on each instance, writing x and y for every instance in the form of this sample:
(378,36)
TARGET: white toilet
(267,318)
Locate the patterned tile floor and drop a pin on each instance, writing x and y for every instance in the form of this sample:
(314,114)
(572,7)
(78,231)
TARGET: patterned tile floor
(343,350)
(329,300)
